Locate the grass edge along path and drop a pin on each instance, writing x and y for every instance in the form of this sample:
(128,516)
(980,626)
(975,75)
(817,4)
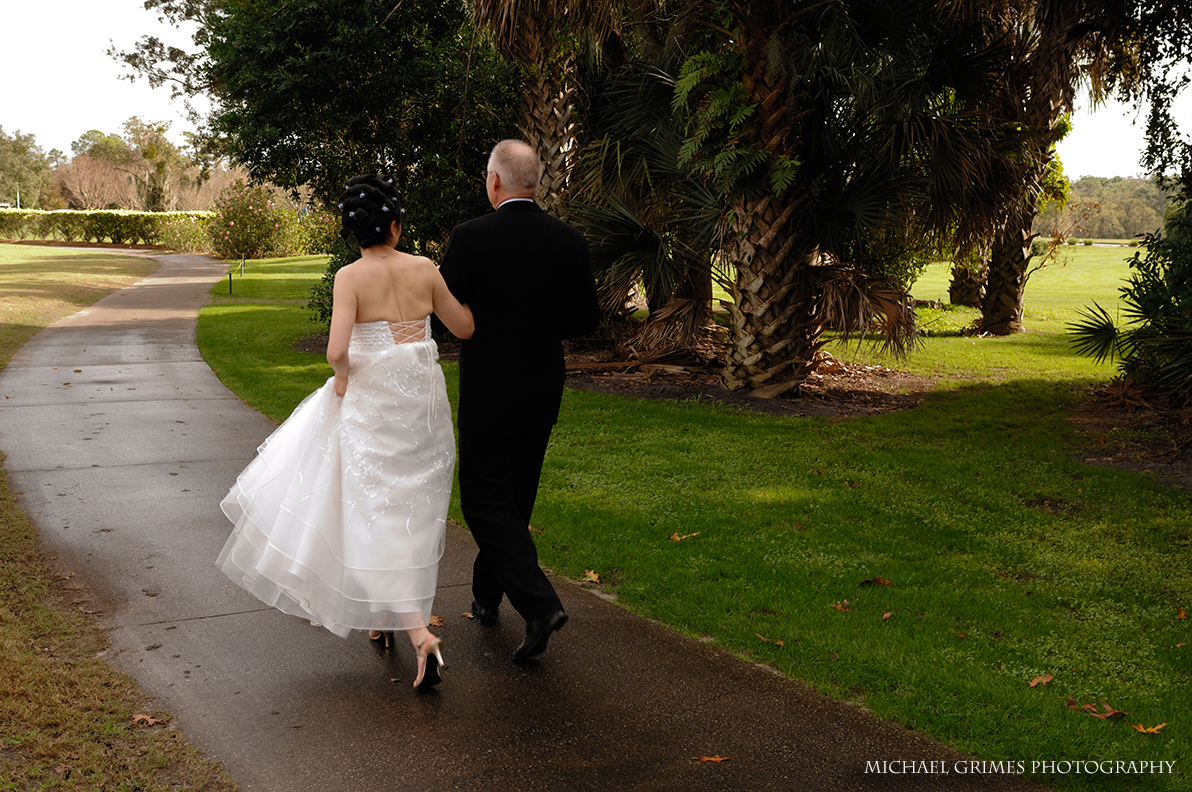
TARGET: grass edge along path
(929,565)
(67,718)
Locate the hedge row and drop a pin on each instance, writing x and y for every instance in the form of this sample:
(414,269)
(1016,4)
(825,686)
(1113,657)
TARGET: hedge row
(276,232)
(122,227)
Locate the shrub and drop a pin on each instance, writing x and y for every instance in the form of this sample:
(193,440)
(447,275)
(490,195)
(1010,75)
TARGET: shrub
(186,232)
(13,223)
(1154,345)
(96,225)
(116,226)
(318,231)
(1088,241)
(250,223)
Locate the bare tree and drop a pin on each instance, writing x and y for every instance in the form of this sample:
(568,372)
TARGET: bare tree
(91,183)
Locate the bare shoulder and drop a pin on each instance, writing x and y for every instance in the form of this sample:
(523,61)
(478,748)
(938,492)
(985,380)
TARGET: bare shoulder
(347,273)
(422,262)
(420,266)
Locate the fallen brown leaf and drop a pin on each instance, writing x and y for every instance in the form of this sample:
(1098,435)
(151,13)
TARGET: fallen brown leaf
(535,530)
(713,758)
(1148,729)
(1108,713)
(590,577)
(1181,615)
(436,621)
(148,721)
(468,615)
(887,615)
(1091,709)
(842,606)
(676,538)
(1042,680)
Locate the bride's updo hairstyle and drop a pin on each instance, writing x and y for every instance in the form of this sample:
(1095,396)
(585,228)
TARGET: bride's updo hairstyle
(368,205)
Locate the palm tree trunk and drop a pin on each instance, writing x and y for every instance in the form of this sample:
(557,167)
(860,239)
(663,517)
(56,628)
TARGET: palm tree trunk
(1001,310)
(774,329)
(1049,75)
(550,128)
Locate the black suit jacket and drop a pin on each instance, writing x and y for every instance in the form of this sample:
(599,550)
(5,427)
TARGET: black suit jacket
(528,280)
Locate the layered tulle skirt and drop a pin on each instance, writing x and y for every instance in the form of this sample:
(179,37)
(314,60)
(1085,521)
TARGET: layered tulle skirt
(341,517)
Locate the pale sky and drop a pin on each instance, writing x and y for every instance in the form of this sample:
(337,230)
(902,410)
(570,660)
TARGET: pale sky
(59,84)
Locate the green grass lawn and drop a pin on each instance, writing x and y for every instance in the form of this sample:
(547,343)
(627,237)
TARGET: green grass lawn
(926,564)
(1054,297)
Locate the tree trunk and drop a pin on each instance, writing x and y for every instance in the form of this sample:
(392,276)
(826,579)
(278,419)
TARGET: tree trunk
(697,285)
(1047,72)
(550,128)
(968,285)
(1001,310)
(774,328)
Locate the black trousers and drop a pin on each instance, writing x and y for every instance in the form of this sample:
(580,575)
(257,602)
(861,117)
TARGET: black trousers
(498,480)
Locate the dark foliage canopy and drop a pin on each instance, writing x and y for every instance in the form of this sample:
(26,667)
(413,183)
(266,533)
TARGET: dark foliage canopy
(312,92)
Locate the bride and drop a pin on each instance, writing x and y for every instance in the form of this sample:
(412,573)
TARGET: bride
(341,517)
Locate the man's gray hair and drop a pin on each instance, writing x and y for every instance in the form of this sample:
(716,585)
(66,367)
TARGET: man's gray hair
(517,164)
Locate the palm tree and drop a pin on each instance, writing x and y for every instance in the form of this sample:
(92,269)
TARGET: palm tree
(1053,46)
(536,35)
(837,132)
(649,220)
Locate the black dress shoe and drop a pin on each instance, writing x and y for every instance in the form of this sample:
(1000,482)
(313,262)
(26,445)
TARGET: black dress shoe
(486,616)
(538,633)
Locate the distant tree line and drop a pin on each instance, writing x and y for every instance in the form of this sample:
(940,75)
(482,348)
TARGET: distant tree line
(25,170)
(139,170)
(1108,208)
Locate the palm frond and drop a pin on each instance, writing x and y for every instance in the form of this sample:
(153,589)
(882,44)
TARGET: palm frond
(852,304)
(1096,335)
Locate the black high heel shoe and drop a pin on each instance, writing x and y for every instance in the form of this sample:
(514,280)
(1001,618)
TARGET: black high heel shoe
(430,660)
(381,635)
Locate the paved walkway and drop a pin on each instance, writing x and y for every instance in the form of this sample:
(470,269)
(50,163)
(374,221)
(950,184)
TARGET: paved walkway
(123,443)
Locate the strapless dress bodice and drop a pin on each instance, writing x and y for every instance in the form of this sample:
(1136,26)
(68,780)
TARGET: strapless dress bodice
(381,335)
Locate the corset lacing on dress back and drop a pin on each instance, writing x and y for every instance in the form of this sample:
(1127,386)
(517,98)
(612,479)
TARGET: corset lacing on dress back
(410,332)
(382,335)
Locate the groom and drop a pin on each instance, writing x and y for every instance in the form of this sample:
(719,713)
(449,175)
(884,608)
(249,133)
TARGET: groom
(527,278)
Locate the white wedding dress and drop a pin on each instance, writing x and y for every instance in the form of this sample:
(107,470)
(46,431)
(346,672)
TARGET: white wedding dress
(341,517)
